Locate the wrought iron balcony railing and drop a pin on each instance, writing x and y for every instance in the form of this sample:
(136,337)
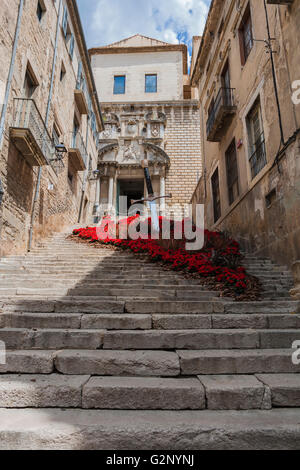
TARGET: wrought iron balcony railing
(78,152)
(258,159)
(30,134)
(223,108)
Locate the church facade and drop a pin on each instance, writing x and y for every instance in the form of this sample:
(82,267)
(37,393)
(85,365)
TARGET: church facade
(149,112)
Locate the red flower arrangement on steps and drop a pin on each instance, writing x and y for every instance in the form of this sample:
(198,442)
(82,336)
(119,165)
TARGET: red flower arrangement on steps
(217,265)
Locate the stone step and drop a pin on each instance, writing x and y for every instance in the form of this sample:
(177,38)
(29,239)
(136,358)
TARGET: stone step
(75,321)
(75,305)
(147,321)
(57,429)
(203,339)
(41,391)
(251,361)
(56,390)
(200,339)
(120,363)
(225,306)
(51,339)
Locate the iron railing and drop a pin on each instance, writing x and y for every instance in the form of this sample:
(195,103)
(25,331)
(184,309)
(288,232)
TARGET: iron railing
(258,159)
(27,116)
(78,143)
(225,97)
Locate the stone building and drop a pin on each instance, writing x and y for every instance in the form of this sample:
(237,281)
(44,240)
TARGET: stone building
(149,112)
(251,178)
(48,97)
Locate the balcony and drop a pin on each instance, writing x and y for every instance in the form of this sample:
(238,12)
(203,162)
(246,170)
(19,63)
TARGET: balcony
(81,97)
(78,152)
(29,133)
(221,115)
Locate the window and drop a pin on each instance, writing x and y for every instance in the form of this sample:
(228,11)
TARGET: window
(30,83)
(75,134)
(71,47)
(119,84)
(39,11)
(257,149)
(151,83)
(62,72)
(246,35)
(216,195)
(65,22)
(232,172)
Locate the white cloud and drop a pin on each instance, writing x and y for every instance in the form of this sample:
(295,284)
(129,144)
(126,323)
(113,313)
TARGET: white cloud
(112,20)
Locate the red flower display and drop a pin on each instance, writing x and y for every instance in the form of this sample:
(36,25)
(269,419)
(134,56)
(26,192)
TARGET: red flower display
(200,263)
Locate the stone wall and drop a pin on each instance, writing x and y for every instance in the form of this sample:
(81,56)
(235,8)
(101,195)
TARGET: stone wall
(183,145)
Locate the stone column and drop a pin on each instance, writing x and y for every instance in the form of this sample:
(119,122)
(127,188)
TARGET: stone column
(111,192)
(98,192)
(162,193)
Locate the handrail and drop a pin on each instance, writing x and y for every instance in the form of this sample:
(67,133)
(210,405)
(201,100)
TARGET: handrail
(225,97)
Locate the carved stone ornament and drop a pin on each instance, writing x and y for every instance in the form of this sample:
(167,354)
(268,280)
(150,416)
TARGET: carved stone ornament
(155,130)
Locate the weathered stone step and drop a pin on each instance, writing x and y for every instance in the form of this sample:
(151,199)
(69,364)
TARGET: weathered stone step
(71,391)
(147,321)
(51,339)
(33,429)
(96,305)
(181,339)
(75,321)
(41,391)
(121,363)
(200,339)
(225,306)
(54,339)
(251,361)
(143,393)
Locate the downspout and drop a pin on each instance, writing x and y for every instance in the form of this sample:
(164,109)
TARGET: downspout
(11,71)
(85,173)
(39,177)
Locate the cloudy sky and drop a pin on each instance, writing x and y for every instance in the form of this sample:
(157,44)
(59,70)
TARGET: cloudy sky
(174,21)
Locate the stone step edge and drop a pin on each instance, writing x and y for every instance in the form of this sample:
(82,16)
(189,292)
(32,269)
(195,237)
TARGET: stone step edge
(30,429)
(222,392)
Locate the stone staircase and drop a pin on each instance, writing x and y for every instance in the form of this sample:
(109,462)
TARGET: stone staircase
(108,351)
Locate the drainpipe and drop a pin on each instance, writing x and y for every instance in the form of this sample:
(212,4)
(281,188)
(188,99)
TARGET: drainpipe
(39,177)
(11,71)
(274,74)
